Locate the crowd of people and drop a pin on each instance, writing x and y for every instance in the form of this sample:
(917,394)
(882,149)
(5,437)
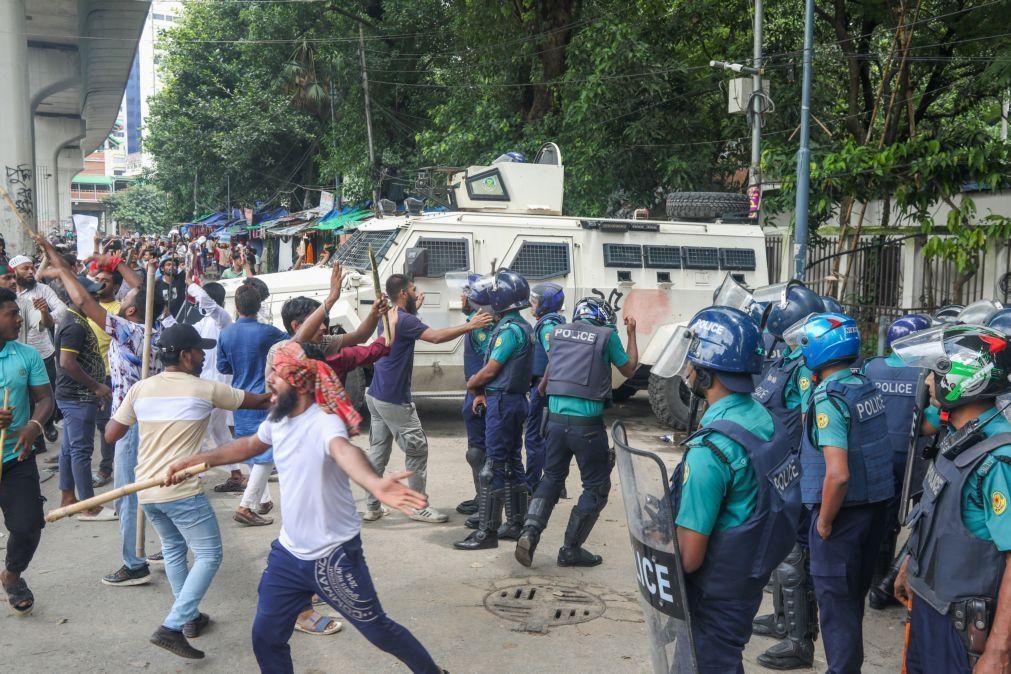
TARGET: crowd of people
(796,477)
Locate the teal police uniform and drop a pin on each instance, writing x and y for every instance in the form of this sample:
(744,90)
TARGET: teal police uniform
(614,354)
(475,348)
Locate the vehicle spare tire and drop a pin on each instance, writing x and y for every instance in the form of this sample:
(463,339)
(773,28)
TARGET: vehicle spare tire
(670,400)
(707,205)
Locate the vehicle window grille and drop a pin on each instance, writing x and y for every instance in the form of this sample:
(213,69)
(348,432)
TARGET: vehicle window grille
(662,257)
(445,255)
(739,259)
(541,259)
(355,251)
(701,258)
(622,255)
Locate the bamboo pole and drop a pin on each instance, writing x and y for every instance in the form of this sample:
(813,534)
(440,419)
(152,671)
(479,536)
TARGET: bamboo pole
(132,488)
(14,209)
(145,369)
(377,289)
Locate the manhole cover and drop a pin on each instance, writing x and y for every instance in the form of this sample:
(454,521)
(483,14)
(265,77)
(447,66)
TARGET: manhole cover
(539,606)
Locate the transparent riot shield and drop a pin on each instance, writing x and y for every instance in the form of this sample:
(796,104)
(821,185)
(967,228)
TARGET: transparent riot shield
(644,489)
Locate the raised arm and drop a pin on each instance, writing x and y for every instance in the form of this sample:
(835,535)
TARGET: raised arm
(367,328)
(439,335)
(311,324)
(81,297)
(629,368)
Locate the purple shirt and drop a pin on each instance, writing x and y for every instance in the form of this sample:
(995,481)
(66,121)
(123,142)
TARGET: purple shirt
(391,378)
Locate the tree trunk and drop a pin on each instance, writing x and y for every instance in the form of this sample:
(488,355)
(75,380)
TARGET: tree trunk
(552,24)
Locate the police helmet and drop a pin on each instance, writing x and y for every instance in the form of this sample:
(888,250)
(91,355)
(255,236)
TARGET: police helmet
(832,304)
(948,313)
(979,312)
(969,362)
(1001,321)
(826,339)
(907,325)
(509,291)
(797,303)
(550,298)
(594,310)
(478,291)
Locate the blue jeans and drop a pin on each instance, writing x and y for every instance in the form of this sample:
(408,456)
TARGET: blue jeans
(126,506)
(76,447)
(188,522)
(342,580)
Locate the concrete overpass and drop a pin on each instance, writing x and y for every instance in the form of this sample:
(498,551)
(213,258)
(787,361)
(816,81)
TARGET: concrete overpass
(63,69)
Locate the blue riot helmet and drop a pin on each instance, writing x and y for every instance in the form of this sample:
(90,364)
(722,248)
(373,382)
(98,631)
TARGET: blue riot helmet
(832,305)
(826,339)
(550,298)
(948,313)
(509,291)
(479,292)
(979,312)
(733,293)
(796,303)
(722,339)
(1001,321)
(594,310)
(907,325)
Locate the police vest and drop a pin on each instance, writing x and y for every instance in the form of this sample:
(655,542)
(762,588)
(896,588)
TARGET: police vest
(578,368)
(869,454)
(472,360)
(740,560)
(946,562)
(540,355)
(771,392)
(898,388)
(514,377)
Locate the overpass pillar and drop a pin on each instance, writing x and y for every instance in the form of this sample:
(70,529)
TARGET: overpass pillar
(52,134)
(16,162)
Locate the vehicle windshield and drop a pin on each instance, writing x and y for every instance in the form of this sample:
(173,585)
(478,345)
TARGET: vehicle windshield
(354,254)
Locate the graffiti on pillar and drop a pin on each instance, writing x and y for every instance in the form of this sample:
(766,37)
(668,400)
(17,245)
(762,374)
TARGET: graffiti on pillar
(19,178)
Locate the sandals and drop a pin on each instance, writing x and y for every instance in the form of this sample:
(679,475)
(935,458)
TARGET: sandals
(265,508)
(251,519)
(232,484)
(318,624)
(17,594)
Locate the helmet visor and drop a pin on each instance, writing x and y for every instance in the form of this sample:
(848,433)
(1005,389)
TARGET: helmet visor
(674,357)
(978,313)
(793,334)
(733,294)
(773,293)
(458,280)
(924,349)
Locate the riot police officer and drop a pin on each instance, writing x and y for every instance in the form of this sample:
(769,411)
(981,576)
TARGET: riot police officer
(846,482)
(832,305)
(785,390)
(473,297)
(546,301)
(957,573)
(736,492)
(898,385)
(500,387)
(577,383)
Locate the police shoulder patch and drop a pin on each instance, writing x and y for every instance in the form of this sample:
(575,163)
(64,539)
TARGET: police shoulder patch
(498,342)
(804,383)
(688,470)
(998,501)
(822,420)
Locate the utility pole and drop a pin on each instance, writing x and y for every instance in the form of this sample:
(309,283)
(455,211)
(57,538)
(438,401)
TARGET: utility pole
(757,106)
(333,134)
(368,116)
(195,214)
(804,153)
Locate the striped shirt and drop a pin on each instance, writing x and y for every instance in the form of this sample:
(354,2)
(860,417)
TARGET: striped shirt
(172,410)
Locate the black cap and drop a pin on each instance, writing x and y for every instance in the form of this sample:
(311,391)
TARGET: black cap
(91,287)
(181,336)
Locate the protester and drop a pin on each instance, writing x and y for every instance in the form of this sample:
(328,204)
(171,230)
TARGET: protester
(31,318)
(80,390)
(389,396)
(171,411)
(111,282)
(319,548)
(171,285)
(239,267)
(25,378)
(242,353)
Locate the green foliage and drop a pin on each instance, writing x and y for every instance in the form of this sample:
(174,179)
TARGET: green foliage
(142,207)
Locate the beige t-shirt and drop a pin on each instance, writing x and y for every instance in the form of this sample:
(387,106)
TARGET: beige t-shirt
(173,409)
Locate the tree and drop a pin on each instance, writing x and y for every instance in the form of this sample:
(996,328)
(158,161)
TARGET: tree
(142,207)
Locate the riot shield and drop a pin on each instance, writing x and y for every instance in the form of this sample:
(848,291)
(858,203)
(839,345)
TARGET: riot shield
(916,461)
(645,491)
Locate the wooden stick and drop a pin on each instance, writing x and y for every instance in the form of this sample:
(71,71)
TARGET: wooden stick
(3,433)
(132,488)
(378,290)
(145,368)
(14,209)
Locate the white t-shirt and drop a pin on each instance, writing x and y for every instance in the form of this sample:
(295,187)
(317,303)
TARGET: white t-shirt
(318,509)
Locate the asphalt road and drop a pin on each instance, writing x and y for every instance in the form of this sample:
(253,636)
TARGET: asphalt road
(439,593)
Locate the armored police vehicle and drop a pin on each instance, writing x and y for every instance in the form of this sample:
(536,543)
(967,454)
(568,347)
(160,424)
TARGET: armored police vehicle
(509,214)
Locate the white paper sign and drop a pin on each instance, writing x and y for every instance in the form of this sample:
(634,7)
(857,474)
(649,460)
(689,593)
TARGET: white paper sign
(85,226)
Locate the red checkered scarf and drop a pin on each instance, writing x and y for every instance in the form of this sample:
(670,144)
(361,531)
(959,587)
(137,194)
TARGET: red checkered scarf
(299,370)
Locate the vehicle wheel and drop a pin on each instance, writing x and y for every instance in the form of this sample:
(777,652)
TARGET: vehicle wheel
(623,392)
(670,400)
(706,205)
(354,385)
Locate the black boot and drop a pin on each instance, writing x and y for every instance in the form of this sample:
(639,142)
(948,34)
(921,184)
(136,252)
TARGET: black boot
(490,516)
(767,626)
(576,533)
(788,654)
(473,522)
(517,500)
(468,507)
(882,594)
(538,514)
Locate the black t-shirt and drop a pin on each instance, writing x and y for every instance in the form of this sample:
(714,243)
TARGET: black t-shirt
(173,293)
(75,336)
